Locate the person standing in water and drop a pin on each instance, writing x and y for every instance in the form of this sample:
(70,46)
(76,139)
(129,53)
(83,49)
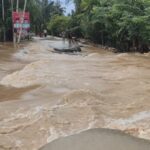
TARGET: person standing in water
(69,36)
(45,32)
(63,34)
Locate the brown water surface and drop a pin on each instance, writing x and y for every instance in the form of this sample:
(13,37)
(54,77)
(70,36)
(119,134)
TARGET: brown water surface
(47,95)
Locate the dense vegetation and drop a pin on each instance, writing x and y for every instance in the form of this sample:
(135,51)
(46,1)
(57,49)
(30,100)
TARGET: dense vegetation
(40,12)
(123,24)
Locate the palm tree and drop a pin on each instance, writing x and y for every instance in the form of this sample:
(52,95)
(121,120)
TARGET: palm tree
(77,4)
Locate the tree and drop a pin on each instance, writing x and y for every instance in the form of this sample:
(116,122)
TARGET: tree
(58,24)
(123,24)
(40,13)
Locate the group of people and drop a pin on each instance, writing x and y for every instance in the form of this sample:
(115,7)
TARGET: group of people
(44,33)
(71,39)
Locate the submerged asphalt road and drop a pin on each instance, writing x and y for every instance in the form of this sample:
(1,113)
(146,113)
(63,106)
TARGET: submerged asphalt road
(98,139)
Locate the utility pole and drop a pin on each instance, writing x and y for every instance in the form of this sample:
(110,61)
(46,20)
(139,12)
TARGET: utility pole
(3,15)
(22,20)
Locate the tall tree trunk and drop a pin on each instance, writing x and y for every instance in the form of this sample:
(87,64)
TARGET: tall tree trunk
(14,34)
(3,15)
(25,4)
(102,38)
(12,5)
(17,6)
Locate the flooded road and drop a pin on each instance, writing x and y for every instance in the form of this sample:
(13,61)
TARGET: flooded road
(45,95)
(98,139)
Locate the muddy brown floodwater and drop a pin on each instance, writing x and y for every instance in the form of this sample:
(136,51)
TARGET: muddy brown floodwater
(45,95)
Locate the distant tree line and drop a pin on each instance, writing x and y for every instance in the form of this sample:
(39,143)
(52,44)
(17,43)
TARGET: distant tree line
(123,24)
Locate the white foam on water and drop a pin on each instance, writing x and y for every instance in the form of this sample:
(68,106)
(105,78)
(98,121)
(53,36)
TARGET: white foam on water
(30,75)
(94,55)
(53,135)
(129,121)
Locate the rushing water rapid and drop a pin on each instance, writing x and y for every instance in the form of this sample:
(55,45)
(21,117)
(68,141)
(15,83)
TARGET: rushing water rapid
(45,95)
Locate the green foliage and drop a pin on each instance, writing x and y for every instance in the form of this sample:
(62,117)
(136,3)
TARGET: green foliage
(40,12)
(58,24)
(124,24)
